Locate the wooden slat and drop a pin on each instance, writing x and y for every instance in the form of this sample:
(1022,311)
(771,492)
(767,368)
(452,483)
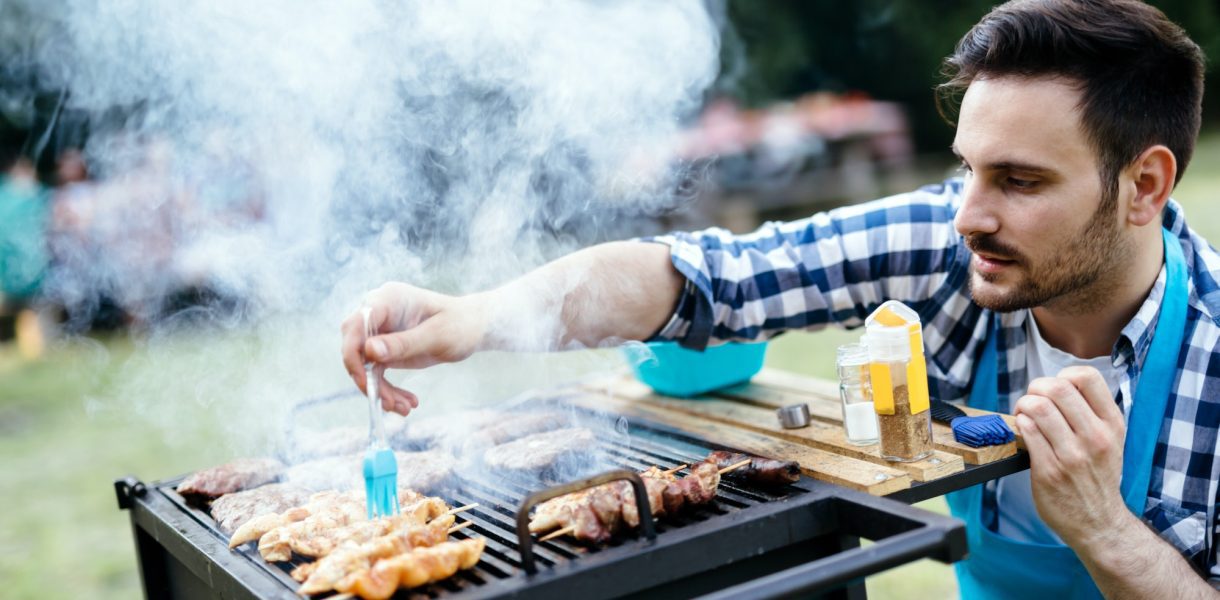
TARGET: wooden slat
(818,464)
(817,435)
(774,388)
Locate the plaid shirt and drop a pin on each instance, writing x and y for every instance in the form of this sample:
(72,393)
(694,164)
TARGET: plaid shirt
(837,267)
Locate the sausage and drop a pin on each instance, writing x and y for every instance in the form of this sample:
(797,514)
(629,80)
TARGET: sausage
(762,472)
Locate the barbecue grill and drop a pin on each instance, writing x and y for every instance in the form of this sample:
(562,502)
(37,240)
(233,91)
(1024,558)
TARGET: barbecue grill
(800,539)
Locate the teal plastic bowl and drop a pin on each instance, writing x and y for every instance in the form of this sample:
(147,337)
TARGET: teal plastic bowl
(676,371)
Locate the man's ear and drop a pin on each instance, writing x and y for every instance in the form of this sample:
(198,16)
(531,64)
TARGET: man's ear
(1152,175)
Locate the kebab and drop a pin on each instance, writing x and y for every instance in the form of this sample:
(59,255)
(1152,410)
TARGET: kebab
(596,515)
(415,568)
(554,513)
(318,542)
(354,556)
(258,526)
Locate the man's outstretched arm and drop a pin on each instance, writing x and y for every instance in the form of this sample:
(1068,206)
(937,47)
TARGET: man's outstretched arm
(612,291)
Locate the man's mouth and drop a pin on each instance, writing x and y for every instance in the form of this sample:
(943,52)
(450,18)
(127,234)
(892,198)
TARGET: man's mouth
(989,263)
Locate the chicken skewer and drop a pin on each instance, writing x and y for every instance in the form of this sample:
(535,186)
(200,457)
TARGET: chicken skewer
(315,539)
(344,562)
(415,568)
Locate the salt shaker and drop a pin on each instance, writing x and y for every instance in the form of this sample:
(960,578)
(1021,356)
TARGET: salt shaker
(859,418)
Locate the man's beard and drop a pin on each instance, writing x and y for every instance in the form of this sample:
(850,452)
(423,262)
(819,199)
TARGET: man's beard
(1075,274)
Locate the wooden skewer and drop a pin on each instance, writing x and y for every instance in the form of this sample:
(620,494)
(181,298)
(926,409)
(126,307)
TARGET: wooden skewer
(735,466)
(460,527)
(675,469)
(454,511)
(558,532)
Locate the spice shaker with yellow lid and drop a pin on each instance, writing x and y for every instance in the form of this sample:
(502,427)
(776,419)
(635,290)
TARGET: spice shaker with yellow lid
(899,380)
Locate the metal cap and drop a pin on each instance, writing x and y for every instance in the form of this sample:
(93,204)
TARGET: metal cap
(793,416)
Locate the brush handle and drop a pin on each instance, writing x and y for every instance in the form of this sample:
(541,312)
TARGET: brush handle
(372,386)
(376,427)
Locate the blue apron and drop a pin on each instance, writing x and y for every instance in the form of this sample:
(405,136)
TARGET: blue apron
(1000,567)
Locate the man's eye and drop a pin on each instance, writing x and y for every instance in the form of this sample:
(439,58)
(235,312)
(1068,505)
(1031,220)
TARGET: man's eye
(964,169)
(1021,184)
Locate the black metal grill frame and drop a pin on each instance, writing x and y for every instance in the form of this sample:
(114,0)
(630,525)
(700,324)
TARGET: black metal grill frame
(802,539)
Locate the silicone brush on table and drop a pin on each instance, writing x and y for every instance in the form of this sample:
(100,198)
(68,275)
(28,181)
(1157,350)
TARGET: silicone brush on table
(985,430)
(380,466)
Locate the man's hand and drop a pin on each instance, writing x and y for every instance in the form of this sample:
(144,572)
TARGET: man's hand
(414,328)
(1074,432)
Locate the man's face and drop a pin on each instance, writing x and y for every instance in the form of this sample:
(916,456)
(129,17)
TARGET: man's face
(1033,215)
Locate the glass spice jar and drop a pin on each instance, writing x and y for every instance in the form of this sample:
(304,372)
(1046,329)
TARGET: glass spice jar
(856,398)
(898,378)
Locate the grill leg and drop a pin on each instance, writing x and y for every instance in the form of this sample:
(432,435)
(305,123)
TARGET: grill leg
(153,567)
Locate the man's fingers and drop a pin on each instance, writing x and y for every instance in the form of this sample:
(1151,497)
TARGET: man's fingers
(1052,426)
(396,399)
(1070,402)
(1041,456)
(1093,388)
(352,347)
(422,346)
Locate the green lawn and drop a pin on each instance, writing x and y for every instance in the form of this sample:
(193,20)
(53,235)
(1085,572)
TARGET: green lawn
(64,439)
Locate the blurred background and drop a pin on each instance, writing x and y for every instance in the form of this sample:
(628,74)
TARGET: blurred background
(192,199)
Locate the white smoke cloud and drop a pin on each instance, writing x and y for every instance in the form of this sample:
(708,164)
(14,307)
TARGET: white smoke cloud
(451,144)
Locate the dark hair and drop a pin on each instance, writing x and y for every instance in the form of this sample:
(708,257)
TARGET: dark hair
(1140,75)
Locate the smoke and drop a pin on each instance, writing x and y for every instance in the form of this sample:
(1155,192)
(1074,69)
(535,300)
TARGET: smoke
(277,159)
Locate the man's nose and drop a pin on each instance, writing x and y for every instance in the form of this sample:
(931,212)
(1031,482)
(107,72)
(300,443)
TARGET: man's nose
(977,212)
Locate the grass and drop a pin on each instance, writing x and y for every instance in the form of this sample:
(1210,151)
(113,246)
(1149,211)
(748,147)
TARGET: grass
(64,441)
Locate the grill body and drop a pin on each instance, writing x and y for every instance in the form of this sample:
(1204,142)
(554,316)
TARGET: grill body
(799,540)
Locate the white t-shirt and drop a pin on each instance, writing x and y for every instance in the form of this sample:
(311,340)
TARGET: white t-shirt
(1017,517)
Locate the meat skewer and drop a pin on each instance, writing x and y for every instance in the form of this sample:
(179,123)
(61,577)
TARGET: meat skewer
(329,572)
(415,568)
(762,472)
(317,540)
(594,516)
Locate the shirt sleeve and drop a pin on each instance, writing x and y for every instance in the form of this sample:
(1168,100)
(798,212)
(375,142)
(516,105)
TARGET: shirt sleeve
(833,267)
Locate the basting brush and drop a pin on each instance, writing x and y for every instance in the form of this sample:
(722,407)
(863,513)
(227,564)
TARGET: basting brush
(380,466)
(985,430)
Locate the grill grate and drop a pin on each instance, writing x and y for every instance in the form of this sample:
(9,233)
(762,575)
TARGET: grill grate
(495,517)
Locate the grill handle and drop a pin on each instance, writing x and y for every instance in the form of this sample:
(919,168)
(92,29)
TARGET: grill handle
(525,542)
(903,534)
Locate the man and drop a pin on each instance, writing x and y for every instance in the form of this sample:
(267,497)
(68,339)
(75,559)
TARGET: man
(1055,279)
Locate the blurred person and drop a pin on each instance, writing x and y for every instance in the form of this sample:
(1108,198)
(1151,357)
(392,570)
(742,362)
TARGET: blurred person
(1055,278)
(24,258)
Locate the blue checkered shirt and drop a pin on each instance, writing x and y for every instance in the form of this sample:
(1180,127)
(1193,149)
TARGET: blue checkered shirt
(837,267)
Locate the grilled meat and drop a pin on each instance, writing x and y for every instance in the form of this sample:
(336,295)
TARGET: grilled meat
(331,473)
(434,430)
(234,510)
(425,471)
(319,503)
(328,525)
(509,428)
(352,557)
(540,451)
(415,568)
(321,543)
(258,526)
(596,514)
(762,472)
(309,444)
(241,474)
